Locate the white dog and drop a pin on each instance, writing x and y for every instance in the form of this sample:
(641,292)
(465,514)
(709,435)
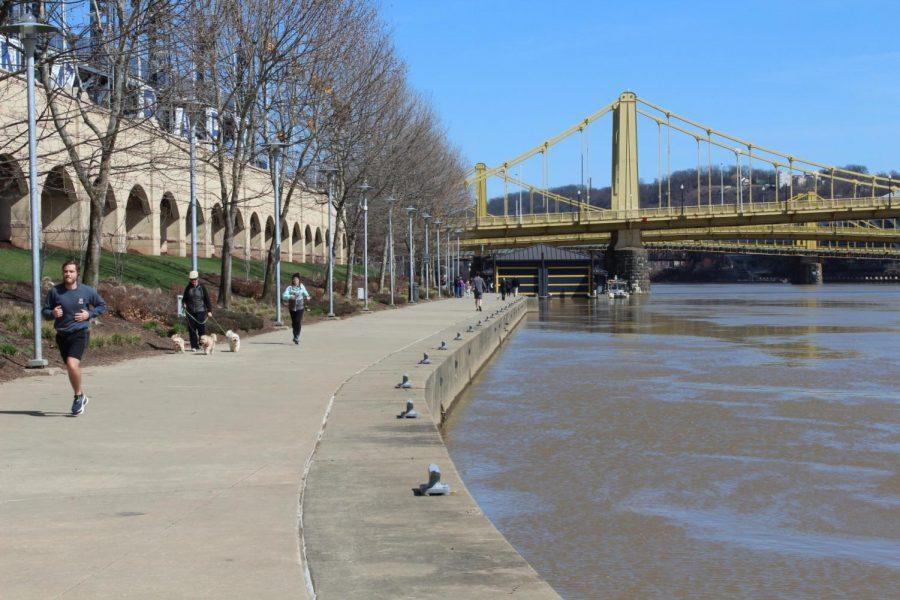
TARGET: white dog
(234,340)
(208,343)
(179,343)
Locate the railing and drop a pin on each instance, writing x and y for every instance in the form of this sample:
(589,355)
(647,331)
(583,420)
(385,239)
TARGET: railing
(798,205)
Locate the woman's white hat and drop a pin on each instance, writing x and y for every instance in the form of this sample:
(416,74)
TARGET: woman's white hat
(193,275)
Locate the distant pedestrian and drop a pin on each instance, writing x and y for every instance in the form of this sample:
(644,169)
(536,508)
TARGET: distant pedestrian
(515,287)
(197,309)
(504,287)
(72,305)
(295,295)
(479,287)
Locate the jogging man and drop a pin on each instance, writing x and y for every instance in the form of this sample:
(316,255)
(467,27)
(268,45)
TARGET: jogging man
(197,307)
(72,305)
(478,287)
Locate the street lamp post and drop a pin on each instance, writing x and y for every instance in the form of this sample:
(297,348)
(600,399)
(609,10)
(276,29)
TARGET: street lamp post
(28,30)
(364,188)
(391,201)
(411,210)
(437,259)
(275,149)
(682,199)
(450,286)
(458,255)
(330,173)
(192,157)
(426,259)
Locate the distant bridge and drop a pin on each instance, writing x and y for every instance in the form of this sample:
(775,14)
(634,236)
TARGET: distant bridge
(860,220)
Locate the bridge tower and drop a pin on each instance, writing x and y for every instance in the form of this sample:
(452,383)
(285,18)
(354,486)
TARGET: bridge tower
(626,258)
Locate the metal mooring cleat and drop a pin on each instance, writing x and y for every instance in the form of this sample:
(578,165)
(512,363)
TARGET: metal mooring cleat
(434,487)
(410,412)
(425,360)
(405,384)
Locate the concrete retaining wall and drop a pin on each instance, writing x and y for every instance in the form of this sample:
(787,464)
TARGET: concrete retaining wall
(455,371)
(364,531)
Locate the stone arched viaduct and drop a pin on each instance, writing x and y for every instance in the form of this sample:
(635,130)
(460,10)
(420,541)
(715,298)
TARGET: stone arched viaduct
(147,209)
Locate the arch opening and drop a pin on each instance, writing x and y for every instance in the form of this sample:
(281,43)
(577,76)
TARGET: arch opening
(308,248)
(297,244)
(255,236)
(13,189)
(202,250)
(138,222)
(319,252)
(60,218)
(170,237)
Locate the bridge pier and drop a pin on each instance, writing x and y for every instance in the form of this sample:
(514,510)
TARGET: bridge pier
(807,271)
(626,258)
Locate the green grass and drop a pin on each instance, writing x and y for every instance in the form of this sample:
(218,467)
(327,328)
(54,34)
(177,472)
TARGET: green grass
(8,350)
(116,339)
(150,271)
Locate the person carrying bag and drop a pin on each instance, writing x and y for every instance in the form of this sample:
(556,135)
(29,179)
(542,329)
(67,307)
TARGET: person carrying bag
(295,295)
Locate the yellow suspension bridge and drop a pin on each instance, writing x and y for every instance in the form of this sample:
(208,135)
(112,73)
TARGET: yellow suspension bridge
(844,212)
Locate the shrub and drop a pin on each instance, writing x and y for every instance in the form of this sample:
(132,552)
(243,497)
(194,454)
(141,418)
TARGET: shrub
(151,324)
(236,321)
(386,298)
(8,350)
(178,328)
(135,303)
(249,288)
(116,339)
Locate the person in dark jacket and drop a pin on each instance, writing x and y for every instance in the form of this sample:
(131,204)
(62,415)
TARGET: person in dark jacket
(72,305)
(197,308)
(515,287)
(504,287)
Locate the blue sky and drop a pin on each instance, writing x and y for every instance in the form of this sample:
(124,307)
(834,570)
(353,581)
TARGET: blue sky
(815,79)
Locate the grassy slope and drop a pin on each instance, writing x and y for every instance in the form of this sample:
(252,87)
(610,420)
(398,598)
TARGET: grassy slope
(150,271)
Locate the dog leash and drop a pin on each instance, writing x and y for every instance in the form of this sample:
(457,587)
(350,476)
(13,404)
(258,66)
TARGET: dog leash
(203,322)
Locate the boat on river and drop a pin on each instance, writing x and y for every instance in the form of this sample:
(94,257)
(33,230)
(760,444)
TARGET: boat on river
(616,288)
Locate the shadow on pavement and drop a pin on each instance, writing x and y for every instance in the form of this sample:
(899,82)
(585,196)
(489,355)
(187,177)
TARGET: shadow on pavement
(36,413)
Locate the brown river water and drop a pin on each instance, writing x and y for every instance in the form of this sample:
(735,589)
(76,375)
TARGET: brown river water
(710,441)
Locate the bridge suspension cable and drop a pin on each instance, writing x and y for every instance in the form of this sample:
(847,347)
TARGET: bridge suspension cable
(878,181)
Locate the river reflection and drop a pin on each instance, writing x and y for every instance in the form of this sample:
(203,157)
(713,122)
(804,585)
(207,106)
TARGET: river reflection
(709,441)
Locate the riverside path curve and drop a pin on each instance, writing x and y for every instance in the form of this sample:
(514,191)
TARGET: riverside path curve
(182,478)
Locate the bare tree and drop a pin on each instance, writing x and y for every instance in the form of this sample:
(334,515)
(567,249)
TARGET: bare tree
(94,84)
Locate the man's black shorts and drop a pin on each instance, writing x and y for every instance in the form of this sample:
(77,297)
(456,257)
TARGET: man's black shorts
(478,295)
(73,344)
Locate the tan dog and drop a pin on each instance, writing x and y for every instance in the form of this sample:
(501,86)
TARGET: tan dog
(179,343)
(234,340)
(208,343)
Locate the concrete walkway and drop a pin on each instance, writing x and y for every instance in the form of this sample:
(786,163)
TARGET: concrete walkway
(181,479)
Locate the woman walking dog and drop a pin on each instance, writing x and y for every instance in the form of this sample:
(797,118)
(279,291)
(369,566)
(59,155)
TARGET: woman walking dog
(295,295)
(197,307)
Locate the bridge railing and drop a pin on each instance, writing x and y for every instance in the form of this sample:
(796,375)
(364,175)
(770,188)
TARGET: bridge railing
(674,213)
